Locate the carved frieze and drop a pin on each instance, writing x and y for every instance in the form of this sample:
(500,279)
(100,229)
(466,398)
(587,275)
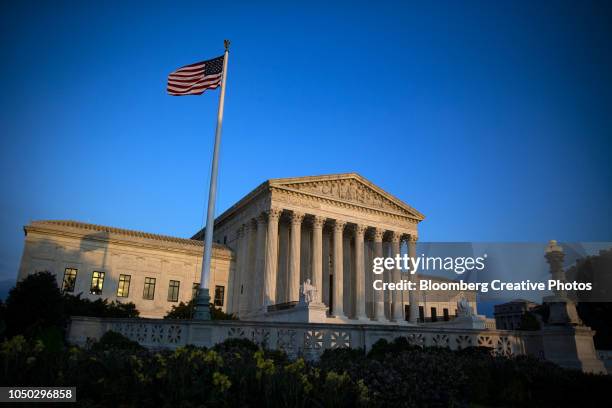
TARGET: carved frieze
(347,190)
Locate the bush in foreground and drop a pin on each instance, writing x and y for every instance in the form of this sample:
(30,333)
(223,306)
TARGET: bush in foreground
(237,372)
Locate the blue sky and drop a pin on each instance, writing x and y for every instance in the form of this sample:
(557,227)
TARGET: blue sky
(494,119)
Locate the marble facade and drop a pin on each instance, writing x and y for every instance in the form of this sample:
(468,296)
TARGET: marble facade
(323,228)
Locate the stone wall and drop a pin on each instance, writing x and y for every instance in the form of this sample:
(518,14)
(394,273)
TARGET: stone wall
(297,339)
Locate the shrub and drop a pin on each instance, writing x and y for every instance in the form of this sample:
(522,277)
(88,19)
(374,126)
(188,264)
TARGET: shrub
(115,341)
(238,373)
(77,306)
(34,305)
(186,310)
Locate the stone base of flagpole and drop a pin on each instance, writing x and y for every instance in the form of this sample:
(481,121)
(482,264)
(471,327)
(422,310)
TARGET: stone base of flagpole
(202,306)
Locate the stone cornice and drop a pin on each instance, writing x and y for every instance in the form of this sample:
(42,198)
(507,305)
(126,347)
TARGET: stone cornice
(99,233)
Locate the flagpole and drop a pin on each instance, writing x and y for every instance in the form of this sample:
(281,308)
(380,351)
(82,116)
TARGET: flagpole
(202,311)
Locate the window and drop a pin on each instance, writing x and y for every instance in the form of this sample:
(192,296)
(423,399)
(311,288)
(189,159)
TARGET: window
(173,291)
(434,314)
(219,294)
(446,316)
(194,290)
(421,314)
(123,290)
(149,289)
(97,281)
(69,280)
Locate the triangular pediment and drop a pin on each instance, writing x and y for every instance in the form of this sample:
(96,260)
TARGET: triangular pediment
(348,188)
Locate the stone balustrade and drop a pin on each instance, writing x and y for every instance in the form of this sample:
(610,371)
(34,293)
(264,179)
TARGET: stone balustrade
(296,339)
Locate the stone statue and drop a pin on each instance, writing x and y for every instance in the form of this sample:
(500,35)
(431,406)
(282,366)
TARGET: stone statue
(463,306)
(308,292)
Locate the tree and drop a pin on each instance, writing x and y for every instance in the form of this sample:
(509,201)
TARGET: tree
(34,305)
(76,306)
(185,311)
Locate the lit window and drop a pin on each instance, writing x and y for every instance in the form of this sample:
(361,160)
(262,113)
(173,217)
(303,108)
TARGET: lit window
(123,290)
(97,281)
(149,289)
(219,295)
(173,291)
(69,280)
(194,290)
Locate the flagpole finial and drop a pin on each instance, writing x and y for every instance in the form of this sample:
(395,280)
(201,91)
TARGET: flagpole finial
(227,44)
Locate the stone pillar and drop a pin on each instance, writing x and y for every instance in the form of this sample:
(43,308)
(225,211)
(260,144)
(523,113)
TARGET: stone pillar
(377,295)
(338,261)
(317,255)
(413,295)
(360,298)
(234,283)
(260,249)
(245,284)
(396,295)
(271,257)
(295,256)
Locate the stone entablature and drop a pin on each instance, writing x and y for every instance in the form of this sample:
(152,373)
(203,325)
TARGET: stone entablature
(104,233)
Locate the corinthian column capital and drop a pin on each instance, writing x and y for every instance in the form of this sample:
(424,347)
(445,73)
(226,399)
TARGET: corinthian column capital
(360,230)
(378,234)
(296,217)
(274,214)
(318,221)
(339,225)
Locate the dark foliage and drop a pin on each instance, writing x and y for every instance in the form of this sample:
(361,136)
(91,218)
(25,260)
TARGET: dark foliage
(116,372)
(34,306)
(77,306)
(186,310)
(115,341)
(598,316)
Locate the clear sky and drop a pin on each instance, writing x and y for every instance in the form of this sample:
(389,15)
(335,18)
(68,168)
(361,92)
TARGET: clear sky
(494,119)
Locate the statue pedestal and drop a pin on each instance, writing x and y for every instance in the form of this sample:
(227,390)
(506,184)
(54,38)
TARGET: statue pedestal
(571,347)
(314,312)
(566,341)
(464,322)
(562,311)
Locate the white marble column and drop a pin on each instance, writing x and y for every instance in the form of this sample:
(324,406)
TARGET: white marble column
(317,255)
(378,295)
(271,261)
(234,283)
(260,249)
(338,263)
(360,298)
(413,295)
(295,256)
(245,286)
(396,295)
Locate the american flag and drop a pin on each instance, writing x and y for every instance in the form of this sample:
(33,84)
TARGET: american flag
(194,79)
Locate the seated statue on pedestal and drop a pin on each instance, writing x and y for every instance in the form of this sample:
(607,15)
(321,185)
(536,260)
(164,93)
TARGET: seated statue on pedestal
(463,306)
(308,292)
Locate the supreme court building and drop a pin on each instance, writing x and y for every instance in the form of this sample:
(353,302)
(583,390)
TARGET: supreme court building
(326,229)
